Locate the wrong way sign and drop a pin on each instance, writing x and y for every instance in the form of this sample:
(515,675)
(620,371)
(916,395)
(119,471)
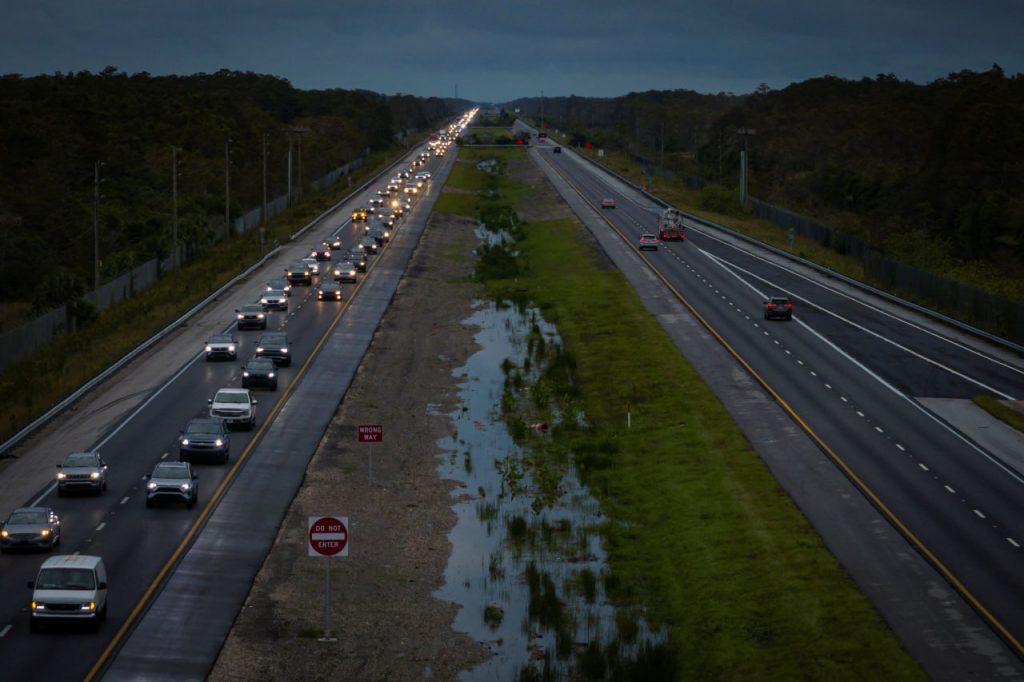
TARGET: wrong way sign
(371,433)
(328,536)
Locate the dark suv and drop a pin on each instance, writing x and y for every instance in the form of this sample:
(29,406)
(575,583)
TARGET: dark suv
(274,345)
(778,307)
(204,438)
(299,273)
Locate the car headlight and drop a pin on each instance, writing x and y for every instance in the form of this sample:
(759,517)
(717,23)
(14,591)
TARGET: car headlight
(36,606)
(284,350)
(260,316)
(219,442)
(4,533)
(151,486)
(94,475)
(270,375)
(259,349)
(89,606)
(245,374)
(184,441)
(61,476)
(231,349)
(185,486)
(45,532)
(241,316)
(263,300)
(208,349)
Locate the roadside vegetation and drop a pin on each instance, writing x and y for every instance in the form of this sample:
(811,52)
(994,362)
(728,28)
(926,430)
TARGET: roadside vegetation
(700,538)
(1001,411)
(57,368)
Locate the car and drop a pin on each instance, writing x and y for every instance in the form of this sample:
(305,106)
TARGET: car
(204,438)
(344,271)
(69,588)
(321,252)
(376,202)
(558,150)
(251,315)
(313,265)
(357,258)
(299,273)
(328,290)
(274,345)
(359,214)
(411,188)
(274,299)
(281,284)
(235,406)
(336,242)
(607,202)
(778,307)
(379,235)
(30,528)
(259,372)
(222,346)
(383,220)
(82,471)
(369,245)
(648,241)
(172,482)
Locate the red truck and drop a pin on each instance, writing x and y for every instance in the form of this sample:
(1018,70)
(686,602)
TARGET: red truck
(671,225)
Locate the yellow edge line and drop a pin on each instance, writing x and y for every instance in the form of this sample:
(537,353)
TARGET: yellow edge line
(206,511)
(864,488)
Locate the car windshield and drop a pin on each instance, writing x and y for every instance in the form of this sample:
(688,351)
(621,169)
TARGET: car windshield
(170,471)
(272,340)
(221,338)
(203,427)
(275,293)
(81,459)
(224,397)
(780,299)
(66,579)
(251,309)
(260,365)
(26,518)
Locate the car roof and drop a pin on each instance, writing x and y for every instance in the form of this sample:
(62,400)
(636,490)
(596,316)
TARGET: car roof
(228,389)
(33,510)
(171,465)
(72,561)
(780,298)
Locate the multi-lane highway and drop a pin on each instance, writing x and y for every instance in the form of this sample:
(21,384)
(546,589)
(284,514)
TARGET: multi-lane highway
(858,377)
(141,546)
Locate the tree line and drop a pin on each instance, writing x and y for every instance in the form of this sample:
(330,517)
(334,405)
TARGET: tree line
(59,132)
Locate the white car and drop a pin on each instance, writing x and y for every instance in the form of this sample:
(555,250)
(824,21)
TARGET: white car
(274,299)
(314,266)
(235,406)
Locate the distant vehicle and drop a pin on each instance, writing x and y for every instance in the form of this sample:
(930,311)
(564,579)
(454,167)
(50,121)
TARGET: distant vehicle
(379,235)
(376,202)
(542,135)
(222,346)
(558,150)
(778,307)
(274,299)
(336,242)
(670,226)
(235,406)
(369,245)
(299,273)
(259,372)
(607,202)
(357,258)
(274,345)
(204,437)
(359,214)
(172,482)
(281,284)
(29,528)
(648,241)
(344,271)
(69,588)
(82,471)
(328,290)
(251,315)
(321,252)
(312,264)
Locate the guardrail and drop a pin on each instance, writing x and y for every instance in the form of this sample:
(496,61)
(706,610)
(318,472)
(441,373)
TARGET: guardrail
(828,272)
(92,383)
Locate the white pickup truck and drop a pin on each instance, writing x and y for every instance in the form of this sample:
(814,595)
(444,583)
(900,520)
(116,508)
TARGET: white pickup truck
(235,406)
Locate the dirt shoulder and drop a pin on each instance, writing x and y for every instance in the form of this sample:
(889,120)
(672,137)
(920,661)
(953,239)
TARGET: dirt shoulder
(388,624)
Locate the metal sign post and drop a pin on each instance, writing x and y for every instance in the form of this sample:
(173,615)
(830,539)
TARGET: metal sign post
(328,537)
(371,433)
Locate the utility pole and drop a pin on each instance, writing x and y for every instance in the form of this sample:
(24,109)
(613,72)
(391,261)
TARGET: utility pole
(292,134)
(744,133)
(227,189)
(542,110)
(96,224)
(263,215)
(174,207)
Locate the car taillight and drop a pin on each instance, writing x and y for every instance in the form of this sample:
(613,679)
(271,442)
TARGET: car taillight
(771,305)
(789,306)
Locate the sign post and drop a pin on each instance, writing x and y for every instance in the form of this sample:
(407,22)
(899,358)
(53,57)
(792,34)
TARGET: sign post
(371,433)
(328,537)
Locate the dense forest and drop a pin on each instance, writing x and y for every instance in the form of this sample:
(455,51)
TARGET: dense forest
(934,170)
(59,133)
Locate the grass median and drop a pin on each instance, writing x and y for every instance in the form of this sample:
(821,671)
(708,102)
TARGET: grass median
(698,531)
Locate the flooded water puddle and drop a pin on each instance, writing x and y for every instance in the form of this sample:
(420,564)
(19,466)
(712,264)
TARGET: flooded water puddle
(527,565)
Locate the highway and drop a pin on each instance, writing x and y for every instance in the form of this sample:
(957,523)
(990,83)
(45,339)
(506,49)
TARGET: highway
(141,546)
(854,375)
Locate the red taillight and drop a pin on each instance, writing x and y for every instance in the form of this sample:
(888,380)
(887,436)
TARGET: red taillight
(789,306)
(771,305)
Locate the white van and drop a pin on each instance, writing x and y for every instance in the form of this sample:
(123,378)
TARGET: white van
(69,588)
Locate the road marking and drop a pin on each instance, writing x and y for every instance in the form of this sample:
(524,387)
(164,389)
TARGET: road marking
(164,456)
(949,489)
(828,386)
(788,353)
(859,413)
(101,526)
(902,449)
(843,398)
(125,499)
(922,466)
(5,630)
(980,515)
(813,373)
(799,362)
(1010,540)
(879,429)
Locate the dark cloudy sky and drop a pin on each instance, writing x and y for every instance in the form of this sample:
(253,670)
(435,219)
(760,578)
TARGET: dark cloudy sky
(496,51)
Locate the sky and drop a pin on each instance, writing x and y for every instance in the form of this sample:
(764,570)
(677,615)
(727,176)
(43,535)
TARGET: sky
(496,51)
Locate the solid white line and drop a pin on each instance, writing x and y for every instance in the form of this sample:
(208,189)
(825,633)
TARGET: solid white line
(922,466)
(864,329)
(5,630)
(1010,540)
(130,417)
(949,489)
(862,303)
(124,500)
(979,513)
(100,527)
(971,444)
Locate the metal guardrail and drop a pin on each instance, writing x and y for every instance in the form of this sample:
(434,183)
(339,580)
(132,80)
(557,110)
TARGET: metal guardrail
(92,383)
(828,272)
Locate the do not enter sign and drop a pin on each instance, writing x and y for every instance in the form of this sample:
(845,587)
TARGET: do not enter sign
(328,536)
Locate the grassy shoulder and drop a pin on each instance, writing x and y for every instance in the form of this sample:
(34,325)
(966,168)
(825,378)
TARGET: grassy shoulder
(698,530)
(58,368)
(1001,411)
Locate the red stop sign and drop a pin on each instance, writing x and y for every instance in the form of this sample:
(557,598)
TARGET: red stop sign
(328,536)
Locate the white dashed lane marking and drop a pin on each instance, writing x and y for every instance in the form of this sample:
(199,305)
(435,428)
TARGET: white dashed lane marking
(124,499)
